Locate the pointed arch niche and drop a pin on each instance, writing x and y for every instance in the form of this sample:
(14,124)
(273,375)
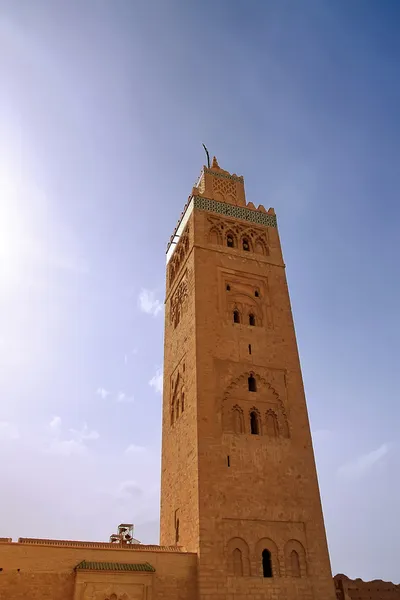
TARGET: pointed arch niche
(238,557)
(252,395)
(295,559)
(237,419)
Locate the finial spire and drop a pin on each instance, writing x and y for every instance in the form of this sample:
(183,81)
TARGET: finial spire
(215,164)
(208,156)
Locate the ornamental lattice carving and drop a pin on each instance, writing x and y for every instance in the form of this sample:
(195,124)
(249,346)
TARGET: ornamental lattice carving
(224,187)
(266,402)
(178,301)
(221,229)
(177,391)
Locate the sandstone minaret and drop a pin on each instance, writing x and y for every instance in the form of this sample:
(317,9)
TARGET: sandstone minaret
(239,483)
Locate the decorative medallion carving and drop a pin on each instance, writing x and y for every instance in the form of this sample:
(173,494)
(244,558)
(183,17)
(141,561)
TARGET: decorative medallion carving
(178,301)
(177,392)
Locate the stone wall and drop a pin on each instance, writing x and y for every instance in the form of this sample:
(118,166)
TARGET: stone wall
(46,571)
(357,589)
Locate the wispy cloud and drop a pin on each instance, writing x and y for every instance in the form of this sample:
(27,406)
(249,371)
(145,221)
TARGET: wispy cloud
(321,435)
(148,303)
(361,465)
(134,449)
(128,490)
(115,396)
(123,397)
(127,355)
(8,431)
(156,381)
(73,443)
(102,392)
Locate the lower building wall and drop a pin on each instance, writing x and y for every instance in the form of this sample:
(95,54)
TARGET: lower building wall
(46,572)
(357,589)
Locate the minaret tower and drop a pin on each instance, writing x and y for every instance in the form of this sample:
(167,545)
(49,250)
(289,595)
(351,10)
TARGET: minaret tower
(239,484)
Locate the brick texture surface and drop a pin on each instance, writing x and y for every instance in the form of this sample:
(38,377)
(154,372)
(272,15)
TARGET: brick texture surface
(238,493)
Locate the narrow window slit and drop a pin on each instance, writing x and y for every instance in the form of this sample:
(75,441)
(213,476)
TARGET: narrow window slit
(249,348)
(252,384)
(266,563)
(254,425)
(229,460)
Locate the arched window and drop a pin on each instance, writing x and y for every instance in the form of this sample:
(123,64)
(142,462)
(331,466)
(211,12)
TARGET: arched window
(237,562)
(230,242)
(252,320)
(177,531)
(238,558)
(236,316)
(228,287)
(213,236)
(254,423)
(272,424)
(246,245)
(266,563)
(257,294)
(295,564)
(237,420)
(252,384)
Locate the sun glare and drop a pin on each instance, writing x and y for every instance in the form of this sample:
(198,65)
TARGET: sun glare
(11,237)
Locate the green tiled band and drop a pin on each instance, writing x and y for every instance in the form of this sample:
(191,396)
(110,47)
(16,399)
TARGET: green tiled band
(112,566)
(238,212)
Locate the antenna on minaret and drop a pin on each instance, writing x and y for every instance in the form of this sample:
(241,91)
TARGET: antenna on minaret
(208,156)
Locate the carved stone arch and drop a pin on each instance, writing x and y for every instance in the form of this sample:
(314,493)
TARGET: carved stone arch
(219,196)
(214,236)
(283,424)
(268,544)
(237,419)
(171,271)
(271,423)
(242,381)
(295,559)
(237,314)
(246,243)
(176,383)
(233,235)
(255,421)
(235,567)
(260,247)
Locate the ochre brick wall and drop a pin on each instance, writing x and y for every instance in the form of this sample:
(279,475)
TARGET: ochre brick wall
(46,572)
(357,589)
(179,464)
(259,491)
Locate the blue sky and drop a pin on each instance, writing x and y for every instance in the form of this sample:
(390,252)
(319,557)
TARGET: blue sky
(103,109)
